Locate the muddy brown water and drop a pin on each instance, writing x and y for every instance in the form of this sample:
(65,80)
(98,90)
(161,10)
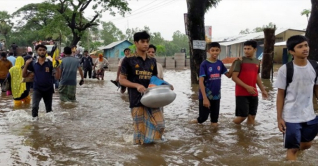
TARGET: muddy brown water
(97,130)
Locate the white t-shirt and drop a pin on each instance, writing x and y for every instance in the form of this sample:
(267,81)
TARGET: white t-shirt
(100,65)
(298,106)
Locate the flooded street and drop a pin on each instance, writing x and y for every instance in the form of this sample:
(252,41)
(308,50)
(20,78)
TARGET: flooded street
(97,130)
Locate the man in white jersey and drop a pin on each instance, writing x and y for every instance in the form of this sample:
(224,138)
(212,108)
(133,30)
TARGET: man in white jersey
(295,113)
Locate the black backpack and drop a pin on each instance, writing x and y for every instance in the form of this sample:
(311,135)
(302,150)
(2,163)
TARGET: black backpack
(290,72)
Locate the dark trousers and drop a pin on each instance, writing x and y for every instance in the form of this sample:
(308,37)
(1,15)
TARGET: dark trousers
(89,73)
(36,98)
(213,111)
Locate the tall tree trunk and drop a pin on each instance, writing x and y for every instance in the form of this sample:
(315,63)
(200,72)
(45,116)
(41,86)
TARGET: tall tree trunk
(268,53)
(196,11)
(311,32)
(76,39)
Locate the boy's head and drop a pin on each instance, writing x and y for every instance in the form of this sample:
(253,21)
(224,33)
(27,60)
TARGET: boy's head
(41,50)
(141,40)
(127,51)
(250,48)
(214,49)
(67,50)
(85,52)
(3,55)
(152,50)
(298,46)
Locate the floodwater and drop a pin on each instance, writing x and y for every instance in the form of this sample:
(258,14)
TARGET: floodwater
(97,130)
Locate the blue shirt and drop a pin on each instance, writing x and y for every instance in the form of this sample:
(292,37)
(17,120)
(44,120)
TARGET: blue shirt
(212,71)
(69,68)
(12,59)
(43,75)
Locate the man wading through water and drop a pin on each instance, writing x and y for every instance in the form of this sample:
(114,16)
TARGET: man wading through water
(135,74)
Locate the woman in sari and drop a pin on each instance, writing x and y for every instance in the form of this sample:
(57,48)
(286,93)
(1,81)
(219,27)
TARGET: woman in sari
(19,90)
(100,64)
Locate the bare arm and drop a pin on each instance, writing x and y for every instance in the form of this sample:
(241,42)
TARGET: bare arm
(279,107)
(202,87)
(25,69)
(230,73)
(58,73)
(81,72)
(118,73)
(125,82)
(259,83)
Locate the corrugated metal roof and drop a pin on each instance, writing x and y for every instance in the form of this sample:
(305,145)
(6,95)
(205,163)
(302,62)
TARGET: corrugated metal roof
(111,45)
(251,36)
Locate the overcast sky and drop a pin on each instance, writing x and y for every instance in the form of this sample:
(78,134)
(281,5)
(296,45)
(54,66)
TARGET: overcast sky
(227,19)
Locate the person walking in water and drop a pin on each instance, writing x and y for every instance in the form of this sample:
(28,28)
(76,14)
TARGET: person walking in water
(19,90)
(88,64)
(135,74)
(211,71)
(152,53)
(43,80)
(116,82)
(99,65)
(295,82)
(5,65)
(246,76)
(67,73)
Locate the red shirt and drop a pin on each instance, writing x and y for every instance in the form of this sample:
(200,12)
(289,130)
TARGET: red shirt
(248,70)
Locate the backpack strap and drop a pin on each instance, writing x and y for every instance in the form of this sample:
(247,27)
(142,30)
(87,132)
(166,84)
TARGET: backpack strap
(289,74)
(315,66)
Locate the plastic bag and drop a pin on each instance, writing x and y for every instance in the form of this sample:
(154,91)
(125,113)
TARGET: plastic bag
(155,81)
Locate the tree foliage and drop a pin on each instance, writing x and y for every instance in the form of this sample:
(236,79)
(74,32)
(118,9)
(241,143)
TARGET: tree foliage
(39,21)
(306,12)
(72,12)
(110,33)
(5,25)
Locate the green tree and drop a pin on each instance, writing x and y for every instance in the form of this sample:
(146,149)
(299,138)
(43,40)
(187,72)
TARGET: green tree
(110,33)
(306,12)
(196,28)
(75,19)
(5,25)
(181,41)
(39,21)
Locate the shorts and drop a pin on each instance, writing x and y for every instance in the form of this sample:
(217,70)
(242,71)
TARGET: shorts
(246,105)
(300,132)
(213,111)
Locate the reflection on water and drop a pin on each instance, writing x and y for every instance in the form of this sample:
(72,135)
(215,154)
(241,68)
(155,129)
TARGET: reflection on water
(97,130)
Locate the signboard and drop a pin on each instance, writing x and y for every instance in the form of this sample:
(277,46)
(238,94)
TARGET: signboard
(199,44)
(208,33)
(186,23)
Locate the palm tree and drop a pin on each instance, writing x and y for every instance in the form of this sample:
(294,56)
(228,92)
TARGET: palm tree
(306,12)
